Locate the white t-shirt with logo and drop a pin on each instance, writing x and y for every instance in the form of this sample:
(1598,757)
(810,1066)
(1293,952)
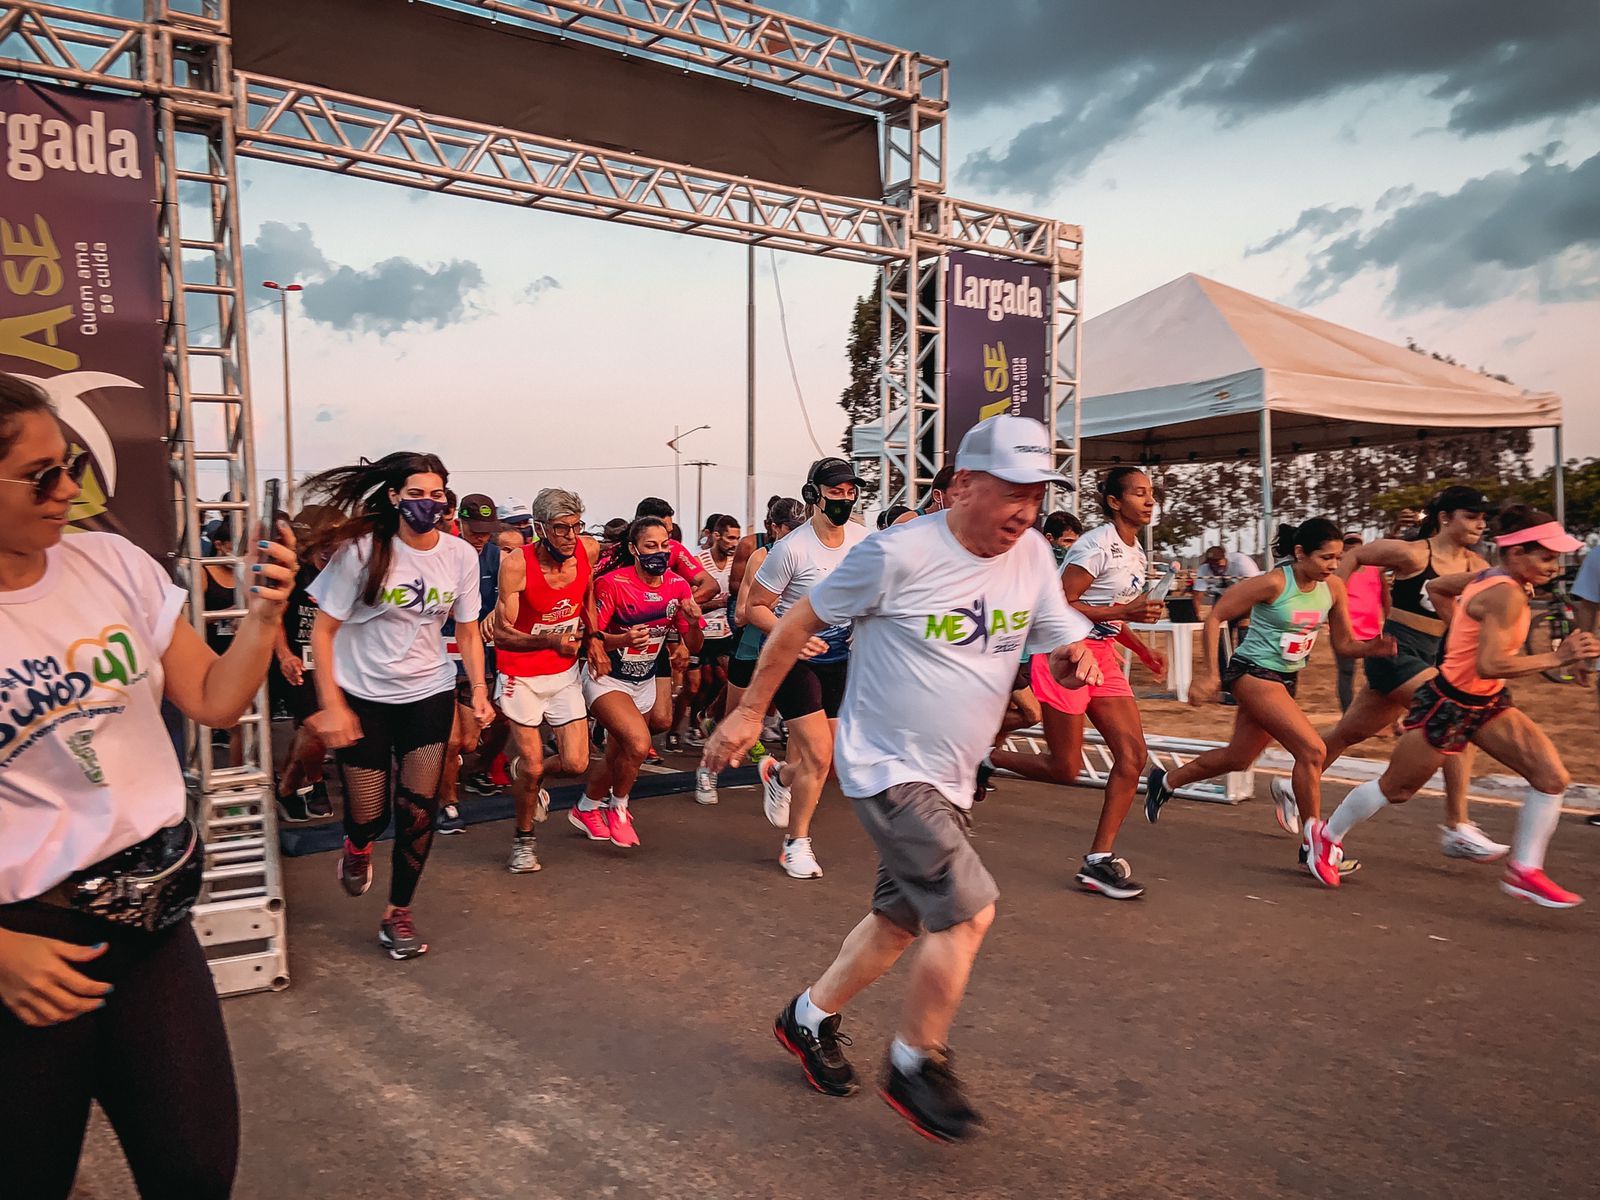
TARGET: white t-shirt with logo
(86,763)
(393,652)
(716,609)
(939,635)
(1119,572)
(796,563)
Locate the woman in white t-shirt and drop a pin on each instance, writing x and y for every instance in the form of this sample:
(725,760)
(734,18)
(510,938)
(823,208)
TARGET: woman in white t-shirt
(388,704)
(96,1006)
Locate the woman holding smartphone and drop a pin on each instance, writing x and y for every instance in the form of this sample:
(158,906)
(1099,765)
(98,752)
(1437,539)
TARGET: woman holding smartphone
(106,993)
(388,703)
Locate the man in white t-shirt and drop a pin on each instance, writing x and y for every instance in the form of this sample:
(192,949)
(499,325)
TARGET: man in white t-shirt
(1586,594)
(943,611)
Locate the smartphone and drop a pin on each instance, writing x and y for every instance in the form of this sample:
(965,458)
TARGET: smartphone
(271,505)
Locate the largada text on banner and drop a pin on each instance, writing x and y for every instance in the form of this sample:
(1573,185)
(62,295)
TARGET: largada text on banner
(80,293)
(996,331)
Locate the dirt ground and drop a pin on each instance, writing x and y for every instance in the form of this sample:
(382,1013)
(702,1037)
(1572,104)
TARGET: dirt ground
(1568,713)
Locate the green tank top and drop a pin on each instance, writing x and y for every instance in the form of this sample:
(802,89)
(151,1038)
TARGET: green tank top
(1282,633)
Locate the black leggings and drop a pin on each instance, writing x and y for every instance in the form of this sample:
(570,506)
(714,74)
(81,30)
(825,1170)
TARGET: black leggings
(413,735)
(155,1058)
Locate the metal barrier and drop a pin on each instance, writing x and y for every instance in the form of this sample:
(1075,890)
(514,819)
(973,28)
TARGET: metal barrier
(1166,752)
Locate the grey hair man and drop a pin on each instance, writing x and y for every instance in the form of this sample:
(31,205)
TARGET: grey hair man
(942,608)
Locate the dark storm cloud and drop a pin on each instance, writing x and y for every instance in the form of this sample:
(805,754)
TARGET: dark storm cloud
(1496,235)
(381,299)
(1103,66)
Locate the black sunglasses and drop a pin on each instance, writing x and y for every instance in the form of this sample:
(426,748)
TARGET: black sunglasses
(45,482)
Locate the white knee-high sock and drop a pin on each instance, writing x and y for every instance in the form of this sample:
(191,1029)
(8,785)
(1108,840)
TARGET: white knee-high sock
(1536,825)
(1361,804)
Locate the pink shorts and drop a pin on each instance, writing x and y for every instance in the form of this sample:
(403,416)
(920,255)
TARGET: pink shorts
(1076,700)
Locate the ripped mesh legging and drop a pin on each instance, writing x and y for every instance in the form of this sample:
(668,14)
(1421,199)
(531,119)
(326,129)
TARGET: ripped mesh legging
(400,754)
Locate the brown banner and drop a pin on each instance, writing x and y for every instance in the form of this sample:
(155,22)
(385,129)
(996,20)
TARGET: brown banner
(80,292)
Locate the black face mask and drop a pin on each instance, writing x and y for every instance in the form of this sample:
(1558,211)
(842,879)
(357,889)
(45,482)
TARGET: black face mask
(838,511)
(558,556)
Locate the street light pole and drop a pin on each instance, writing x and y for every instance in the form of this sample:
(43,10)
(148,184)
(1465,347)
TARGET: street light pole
(700,466)
(677,464)
(750,389)
(283,290)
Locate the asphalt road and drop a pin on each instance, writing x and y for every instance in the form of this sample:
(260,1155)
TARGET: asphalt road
(603,1028)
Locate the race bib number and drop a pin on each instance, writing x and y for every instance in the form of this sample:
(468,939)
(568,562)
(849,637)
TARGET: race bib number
(308,658)
(717,624)
(1296,646)
(640,655)
(557,629)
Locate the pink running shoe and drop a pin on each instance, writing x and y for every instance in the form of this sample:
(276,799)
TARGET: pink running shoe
(1527,883)
(1324,854)
(591,824)
(622,831)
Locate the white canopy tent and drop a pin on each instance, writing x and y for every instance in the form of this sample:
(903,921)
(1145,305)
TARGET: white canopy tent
(1196,371)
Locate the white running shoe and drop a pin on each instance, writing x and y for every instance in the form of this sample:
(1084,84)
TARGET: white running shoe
(798,860)
(1468,841)
(705,785)
(774,796)
(1288,808)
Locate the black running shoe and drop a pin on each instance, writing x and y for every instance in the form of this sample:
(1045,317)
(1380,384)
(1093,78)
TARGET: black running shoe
(931,1099)
(399,936)
(1109,877)
(1592,819)
(1347,866)
(292,808)
(450,820)
(1156,794)
(317,802)
(826,1067)
(985,773)
(481,785)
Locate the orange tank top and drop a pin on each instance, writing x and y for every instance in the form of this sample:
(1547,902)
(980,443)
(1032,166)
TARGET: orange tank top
(1460,666)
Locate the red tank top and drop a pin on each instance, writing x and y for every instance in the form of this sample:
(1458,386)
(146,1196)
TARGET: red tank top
(545,609)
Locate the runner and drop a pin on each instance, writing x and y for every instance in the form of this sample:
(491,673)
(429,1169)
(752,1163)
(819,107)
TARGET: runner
(1286,607)
(478,525)
(544,622)
(1468,701)
(784,515)
(302,792)
(808,700)
(1061,530)
(1104,577)
(387,704)
(1452,523)
(708,671)
(943,611)
(938,496)
(637,599)
(1368,592)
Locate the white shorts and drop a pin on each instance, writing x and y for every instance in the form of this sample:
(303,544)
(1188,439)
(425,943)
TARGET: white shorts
(533,699)
(641,691)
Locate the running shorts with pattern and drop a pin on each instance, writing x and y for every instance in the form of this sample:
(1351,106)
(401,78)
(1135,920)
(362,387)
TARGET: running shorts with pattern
(1449,719)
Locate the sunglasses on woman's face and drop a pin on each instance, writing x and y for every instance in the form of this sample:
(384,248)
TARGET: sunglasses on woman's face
(46,481)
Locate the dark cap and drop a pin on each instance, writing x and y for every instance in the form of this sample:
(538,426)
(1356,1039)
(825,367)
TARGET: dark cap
(831,472)
(477,513)
(1459,497)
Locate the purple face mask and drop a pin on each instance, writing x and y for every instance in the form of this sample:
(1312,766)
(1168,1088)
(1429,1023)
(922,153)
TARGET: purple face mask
(422,515)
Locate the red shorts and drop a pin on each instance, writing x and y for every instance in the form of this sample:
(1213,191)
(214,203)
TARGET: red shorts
(1076,700)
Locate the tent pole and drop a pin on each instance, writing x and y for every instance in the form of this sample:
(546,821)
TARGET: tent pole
(1267,527)
(1559,481)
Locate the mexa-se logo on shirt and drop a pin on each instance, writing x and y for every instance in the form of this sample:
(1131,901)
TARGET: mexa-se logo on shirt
(965,626)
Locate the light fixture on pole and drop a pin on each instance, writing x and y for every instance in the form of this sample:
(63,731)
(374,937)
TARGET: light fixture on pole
(283,290)
(677,464)
(700,466)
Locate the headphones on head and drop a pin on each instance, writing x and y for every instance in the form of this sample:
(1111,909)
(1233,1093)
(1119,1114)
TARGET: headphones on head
(811,493)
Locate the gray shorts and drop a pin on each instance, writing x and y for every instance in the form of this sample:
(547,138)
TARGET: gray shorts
(929,876)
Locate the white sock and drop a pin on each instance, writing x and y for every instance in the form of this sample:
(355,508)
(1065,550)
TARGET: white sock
(1099,856)
(620,803)
(906,1059)
(1360,805)
(1536,825)
(808,1014)
(588,803)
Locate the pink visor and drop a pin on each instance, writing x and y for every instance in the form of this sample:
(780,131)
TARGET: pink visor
(1550,535)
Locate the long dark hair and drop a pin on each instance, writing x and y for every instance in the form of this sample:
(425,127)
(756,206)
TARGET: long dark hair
(17,396)
(361,493)
(624,556)
(1514,518)
(1310,536)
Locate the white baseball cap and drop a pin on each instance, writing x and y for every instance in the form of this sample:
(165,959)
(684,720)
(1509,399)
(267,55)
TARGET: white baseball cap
(1016,449)
(515,512)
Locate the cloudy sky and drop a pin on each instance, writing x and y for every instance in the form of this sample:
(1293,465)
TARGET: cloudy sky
(1422,168)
